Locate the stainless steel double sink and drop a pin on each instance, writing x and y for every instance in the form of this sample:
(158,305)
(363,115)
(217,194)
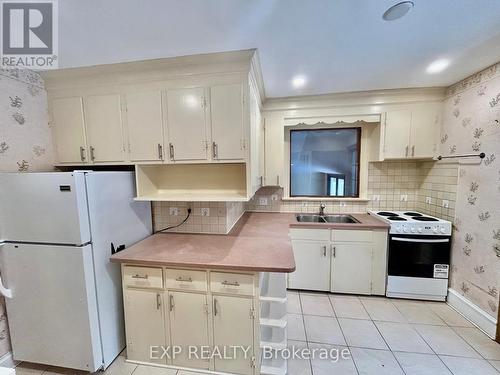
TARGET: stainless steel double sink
(312,218)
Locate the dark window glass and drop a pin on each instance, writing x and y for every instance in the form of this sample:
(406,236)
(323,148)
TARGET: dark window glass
(324,162)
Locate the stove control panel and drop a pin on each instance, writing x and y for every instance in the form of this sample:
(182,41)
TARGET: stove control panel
(438,229)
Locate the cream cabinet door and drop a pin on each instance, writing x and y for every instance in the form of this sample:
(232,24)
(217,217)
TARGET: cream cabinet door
(103,118)
(145,126)
(425,130)
(188,326)
(312,259)
(186,124)
(145,324)
(68,128)
(226,108)
(351,268)
(274,141)
(233,327)
(397,134)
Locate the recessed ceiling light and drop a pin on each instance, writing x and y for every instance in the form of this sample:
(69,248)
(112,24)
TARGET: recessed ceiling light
(298,81)
(437,66)
(397,11)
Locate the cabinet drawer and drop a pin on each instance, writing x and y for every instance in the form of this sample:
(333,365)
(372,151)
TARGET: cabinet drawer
(186,280)
(351,235)
(234,283)
(143,277)
(310,234)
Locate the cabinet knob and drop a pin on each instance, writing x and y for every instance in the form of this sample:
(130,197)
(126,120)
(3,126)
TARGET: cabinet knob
(324,250)
(92,153)
(171,150)
(160,151)
(171,302)
(215,150)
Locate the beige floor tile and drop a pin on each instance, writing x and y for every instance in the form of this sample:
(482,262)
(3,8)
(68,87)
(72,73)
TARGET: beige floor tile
(361,333)
(382,310)
(448,315)
(295,327)
(298,366)
(402,337)
(293,303)
(468,366)
(26,368)
(341,366)
(152,370)
(348,307)
(52,370)
(316,305)
(120,367)
(374,362)
(443,340)
(421,364)
(485,346)
(418,312)
(495,364)
(321,329)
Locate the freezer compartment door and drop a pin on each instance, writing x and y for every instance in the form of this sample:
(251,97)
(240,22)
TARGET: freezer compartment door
(44,208)
(52,314)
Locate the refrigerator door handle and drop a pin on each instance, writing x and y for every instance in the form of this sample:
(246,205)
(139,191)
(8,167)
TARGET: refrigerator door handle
(7,293)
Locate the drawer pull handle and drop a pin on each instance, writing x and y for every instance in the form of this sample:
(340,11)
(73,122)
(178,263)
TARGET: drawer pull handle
(228,283)
(215,307)
(158,301)
(184,279)
(137,276)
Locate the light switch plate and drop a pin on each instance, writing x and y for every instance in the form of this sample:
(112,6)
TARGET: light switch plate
(404,198)
(174,211)
(428,200)
(446,203)
(263,201)
(376,198)
(274,197)
(205,211)
(343,204)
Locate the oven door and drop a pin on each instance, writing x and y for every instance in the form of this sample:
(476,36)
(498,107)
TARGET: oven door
(419,256)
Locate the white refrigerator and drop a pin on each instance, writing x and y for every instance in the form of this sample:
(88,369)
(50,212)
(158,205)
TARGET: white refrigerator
(57,232)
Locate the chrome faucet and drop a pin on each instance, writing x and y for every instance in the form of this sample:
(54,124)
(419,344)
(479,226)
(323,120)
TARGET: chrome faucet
(322,209)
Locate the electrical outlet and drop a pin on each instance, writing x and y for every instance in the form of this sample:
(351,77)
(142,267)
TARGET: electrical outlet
(376,198)
(263,201)
(205,211)
(274,197)
(428,200)
(343,204)
(446,203)
(404,198)
(174,211)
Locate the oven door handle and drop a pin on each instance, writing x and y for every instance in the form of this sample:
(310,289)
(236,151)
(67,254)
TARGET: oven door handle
(417,240)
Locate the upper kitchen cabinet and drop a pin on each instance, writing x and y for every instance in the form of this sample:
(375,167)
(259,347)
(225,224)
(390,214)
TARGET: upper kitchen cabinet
(68,129)
(226,109)
(186,124)
(145,126)
(103,119)
(412,133)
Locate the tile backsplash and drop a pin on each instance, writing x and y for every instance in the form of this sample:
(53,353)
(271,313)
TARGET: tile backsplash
(206,217)
(392,185)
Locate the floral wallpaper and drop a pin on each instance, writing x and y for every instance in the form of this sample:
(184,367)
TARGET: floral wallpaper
(25,139)
(472,125)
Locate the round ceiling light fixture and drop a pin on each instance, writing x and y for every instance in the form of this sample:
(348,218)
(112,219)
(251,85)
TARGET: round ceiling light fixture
(398,10)
(437,66)
(298,81)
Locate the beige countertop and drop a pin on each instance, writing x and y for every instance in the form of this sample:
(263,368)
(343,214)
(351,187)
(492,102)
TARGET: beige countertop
(259,242)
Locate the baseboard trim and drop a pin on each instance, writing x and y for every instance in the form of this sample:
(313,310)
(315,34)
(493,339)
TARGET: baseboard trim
(7,361)
(473,313)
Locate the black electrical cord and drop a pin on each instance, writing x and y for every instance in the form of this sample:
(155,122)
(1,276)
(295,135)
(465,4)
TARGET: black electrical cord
(178,225)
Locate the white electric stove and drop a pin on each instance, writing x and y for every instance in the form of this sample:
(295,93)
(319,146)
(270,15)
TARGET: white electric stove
(419,255)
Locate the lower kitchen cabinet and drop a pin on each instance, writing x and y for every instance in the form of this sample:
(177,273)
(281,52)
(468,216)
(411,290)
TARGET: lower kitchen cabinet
(313,265)
(233,326)
(340,261)
(145,323)
(351,268)
(207,311)
(188,318)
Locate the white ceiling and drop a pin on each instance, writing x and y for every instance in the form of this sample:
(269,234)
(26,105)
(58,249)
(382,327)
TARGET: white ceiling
(339,45)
